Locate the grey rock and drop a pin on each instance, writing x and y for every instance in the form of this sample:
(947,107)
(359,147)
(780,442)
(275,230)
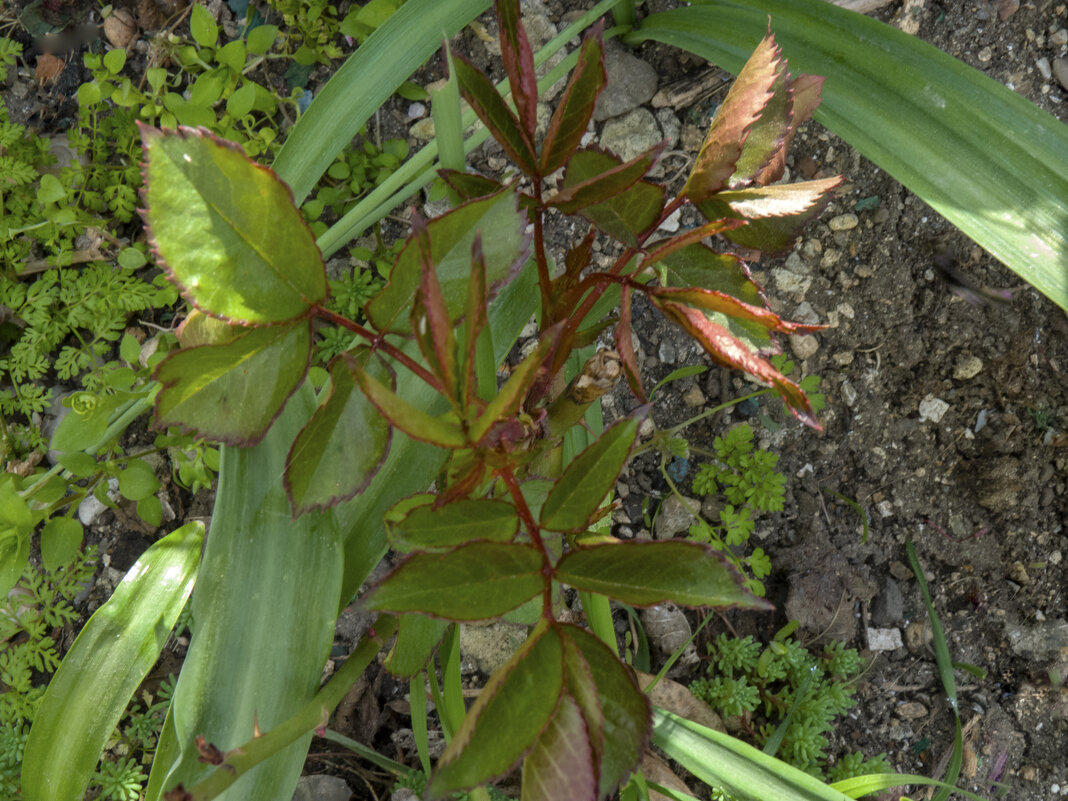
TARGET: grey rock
(322,788)
(674,518)
(631,82)
(666,352)
(888,607)
(1037,642)
(632,134)
(491,645)
(670,125)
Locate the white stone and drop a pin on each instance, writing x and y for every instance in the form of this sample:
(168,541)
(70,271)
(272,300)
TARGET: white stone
(884,639)
(967,367)
(804,345)
(932,409)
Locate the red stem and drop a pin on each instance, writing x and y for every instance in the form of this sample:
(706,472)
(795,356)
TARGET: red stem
(378,342)
(525,515)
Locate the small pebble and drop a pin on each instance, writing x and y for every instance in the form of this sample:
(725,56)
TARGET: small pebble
(804,345)
(1018,573)
(913,710)
(843,222)
(917,637)
(884,508)
(694,397)
(416,111)
(1060,38)
(932,409)
(666,352)
(1060,71)
(423,130)
(849,395)
(671,224)
(986,54)
(1044,67)
(844,359)
(967,367)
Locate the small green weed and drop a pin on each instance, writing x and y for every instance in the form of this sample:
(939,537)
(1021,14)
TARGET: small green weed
(746,477)
(783,693)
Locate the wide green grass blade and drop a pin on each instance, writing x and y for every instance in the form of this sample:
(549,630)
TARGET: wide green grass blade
(724,762)
(365,81)
(991,162)
(264,610)
(111,656)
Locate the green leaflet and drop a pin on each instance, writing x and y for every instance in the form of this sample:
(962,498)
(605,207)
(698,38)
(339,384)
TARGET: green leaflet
(647,573)
(927,119)
(578,493)
(477,581)
(219,220)
(111,656)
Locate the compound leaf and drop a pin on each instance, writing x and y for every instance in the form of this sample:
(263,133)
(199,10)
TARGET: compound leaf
(624,216)
(561,765)
(218,220)
(572,115)
(487,103)
(604,186)
(624,708)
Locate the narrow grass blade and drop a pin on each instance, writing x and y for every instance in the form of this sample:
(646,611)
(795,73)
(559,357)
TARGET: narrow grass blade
(991,162)
(365,81)
(945,673)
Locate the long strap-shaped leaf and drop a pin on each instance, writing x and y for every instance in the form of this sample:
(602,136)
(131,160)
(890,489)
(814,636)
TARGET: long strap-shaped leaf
(992,163)
(365,81)
(263,619)
(109,659)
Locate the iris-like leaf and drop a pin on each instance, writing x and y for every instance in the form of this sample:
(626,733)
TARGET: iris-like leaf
(728,350)
(648,573)
(232,392)
(218,221)
(573,113)
(578,493)
(454,524)
(473,582)
(109,659)
(625,216)
(337,453)
(504,245)
(721,151)
(507,717)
